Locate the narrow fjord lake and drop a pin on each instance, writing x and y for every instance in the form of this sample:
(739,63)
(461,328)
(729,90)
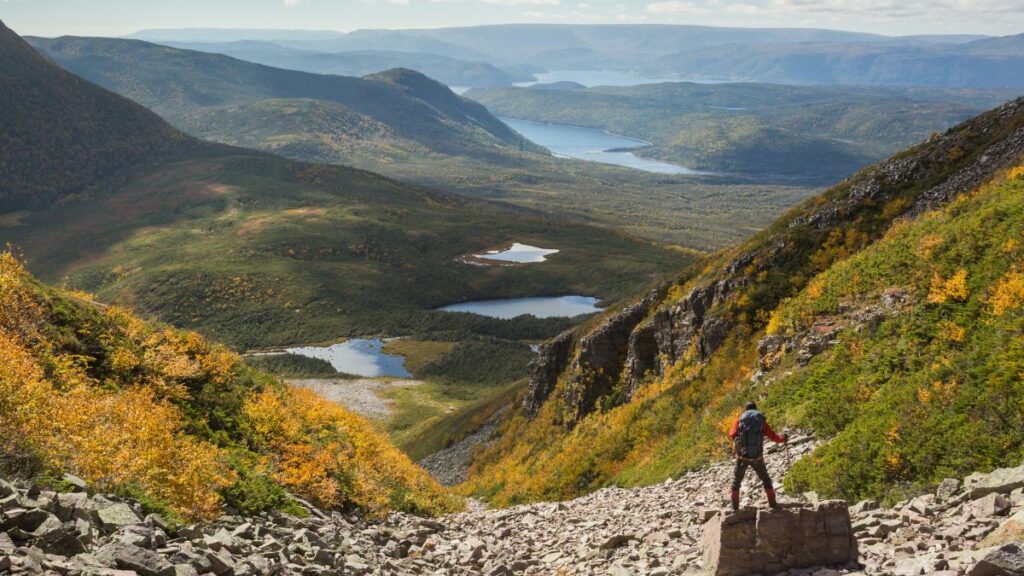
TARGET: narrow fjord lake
(541,307)
(592,145)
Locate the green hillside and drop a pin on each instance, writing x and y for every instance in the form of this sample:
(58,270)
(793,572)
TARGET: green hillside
(766,131)
(92,137)
(450,71)
(178,83)
(884,315)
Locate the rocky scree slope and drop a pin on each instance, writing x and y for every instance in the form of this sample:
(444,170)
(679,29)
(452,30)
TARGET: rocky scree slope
(645,390)
(966,527)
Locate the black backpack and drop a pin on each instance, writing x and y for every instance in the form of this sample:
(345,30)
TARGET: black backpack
(750,435)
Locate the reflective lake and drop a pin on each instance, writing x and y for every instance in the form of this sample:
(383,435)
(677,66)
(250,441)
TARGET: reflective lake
(592,145)
(541,307)
(521,253)
(359,356)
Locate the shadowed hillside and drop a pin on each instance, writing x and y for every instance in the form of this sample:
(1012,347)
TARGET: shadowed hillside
(61,135)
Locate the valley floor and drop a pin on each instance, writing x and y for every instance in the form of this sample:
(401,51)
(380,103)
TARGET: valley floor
(364,396)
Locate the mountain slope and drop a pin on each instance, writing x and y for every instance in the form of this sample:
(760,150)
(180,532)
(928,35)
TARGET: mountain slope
(884,314)
(175,420)
(179,83)
(91,136)
(337,120)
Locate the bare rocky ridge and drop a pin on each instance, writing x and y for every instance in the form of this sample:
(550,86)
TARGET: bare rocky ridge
(965,528)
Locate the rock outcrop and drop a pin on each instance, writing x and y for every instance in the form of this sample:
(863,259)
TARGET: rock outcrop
(752,541)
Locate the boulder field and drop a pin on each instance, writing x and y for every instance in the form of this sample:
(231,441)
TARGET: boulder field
(965,527)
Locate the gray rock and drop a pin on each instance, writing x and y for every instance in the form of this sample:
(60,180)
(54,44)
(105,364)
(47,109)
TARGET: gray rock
(117,514)
(999,481)
(131,557)
(790,537)
(1007,560)
(76,483)
(615,541)
(990,505)
(947,489)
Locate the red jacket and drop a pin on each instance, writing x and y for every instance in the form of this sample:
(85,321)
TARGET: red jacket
(767,432)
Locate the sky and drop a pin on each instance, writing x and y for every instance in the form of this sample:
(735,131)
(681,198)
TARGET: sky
(893,17)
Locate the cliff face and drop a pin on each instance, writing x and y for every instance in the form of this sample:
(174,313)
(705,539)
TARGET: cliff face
(737,288)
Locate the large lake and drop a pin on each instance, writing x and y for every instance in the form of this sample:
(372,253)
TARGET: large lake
(541,307)
(592,145)
(359,356)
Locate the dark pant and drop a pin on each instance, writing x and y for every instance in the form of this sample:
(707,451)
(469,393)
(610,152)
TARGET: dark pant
(757,465)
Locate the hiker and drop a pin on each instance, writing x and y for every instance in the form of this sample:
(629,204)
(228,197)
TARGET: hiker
(748,434)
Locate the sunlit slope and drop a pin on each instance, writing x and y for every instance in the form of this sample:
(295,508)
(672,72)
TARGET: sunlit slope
(175,420)
(885,315)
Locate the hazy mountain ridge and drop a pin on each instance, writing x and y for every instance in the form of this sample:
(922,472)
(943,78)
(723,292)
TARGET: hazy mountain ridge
(787,55)
(450,71)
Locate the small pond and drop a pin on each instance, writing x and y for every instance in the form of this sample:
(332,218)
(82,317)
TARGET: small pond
(359,356)
(519,253)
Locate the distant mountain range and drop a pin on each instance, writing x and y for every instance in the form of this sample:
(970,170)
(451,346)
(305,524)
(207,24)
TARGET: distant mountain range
(450,71)
(787,55)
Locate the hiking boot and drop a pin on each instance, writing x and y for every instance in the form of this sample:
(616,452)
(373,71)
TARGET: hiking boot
(734,497)
(770,492)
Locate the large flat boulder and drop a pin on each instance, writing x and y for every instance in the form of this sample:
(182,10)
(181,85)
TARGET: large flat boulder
(752,541)
(998,481)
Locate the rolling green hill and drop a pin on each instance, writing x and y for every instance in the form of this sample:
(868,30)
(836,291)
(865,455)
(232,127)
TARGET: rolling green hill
(884,315)
(178,84)
(760,130)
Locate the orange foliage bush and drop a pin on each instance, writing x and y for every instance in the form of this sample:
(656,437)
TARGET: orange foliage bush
(332,456)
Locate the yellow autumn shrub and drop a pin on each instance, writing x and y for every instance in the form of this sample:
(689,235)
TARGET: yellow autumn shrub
(332,456)
(1008,293)
(139,414)
(949,289)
